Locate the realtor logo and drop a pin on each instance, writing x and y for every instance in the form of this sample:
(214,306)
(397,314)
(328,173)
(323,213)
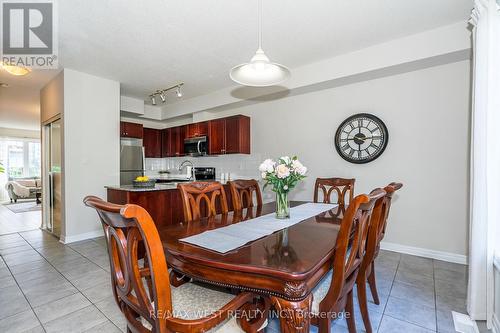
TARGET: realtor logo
(29,33)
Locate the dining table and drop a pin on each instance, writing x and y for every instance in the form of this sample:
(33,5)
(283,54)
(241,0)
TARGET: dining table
(284,267)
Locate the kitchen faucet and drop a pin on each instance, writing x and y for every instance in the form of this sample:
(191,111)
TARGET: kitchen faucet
(183,164)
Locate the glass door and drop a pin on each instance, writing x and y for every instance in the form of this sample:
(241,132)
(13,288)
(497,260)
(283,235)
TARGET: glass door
(52,180)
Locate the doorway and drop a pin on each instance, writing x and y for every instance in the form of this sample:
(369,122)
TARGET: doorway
(52,177)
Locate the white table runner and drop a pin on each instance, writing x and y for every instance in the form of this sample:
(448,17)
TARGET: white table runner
(228,238)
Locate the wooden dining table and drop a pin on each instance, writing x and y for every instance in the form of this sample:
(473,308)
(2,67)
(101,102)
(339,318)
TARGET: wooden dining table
(283,267)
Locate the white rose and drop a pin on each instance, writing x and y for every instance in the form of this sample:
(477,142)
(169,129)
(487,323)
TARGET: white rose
(282,171)
(264,174)
(285,187)
(299,168)
(267,166)
(286,159)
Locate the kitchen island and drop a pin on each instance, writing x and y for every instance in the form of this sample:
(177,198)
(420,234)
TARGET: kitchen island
(163,202)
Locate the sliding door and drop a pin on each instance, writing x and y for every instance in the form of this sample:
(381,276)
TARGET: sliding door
(52,178)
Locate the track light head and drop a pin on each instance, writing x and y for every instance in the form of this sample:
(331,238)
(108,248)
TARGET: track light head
(163,98)
(178,91)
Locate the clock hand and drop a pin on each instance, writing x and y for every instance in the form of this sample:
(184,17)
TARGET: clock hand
(367,137)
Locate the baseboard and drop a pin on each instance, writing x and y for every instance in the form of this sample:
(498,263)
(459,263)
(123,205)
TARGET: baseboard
(80,237)
(417,251)
(496,324)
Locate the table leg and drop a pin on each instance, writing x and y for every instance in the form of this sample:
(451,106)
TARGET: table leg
(294,316)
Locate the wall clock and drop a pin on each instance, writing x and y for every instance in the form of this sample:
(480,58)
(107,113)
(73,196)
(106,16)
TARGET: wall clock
(361,138)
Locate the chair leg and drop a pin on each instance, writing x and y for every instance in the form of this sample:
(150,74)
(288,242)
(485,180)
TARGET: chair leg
(349,309)
(363,304)
(373,285)
(324,325)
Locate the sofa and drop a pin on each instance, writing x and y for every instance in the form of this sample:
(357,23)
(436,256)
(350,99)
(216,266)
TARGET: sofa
(23,188)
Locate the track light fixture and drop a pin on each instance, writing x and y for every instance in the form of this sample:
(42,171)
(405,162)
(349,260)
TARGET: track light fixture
(162,93)
(162,97)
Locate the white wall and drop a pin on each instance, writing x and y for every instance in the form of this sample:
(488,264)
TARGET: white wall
(19,133)
(427,114)
(91,148)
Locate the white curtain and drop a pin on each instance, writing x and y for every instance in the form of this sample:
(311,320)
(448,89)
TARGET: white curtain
(485,158)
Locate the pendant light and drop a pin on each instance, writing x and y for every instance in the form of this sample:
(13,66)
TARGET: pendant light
(260,71)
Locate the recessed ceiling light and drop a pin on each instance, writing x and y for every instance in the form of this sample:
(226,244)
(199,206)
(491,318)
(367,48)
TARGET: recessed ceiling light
(16,70)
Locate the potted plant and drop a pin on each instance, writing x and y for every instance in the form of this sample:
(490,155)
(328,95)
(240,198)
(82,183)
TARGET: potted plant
(283,176)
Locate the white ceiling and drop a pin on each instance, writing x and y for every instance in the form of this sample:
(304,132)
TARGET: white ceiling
(20,102)
(154,44)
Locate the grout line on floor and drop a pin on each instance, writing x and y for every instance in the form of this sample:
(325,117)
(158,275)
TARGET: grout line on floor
(78,290)
(24,295)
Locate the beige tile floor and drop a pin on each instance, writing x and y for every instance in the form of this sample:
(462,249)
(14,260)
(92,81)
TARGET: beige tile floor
(46,286)
(11,222)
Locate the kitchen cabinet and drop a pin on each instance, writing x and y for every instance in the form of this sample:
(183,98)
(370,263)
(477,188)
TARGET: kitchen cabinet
(131,130)
(237,135)
(229,135)
(197,129)
(164,206)
(217,136)
(152,143)
(177,136)
(166,150)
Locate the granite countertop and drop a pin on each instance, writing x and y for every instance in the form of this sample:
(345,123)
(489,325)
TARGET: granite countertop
(131,188)
(158,187)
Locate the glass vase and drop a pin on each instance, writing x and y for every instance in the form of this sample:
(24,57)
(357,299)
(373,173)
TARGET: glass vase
(282,205)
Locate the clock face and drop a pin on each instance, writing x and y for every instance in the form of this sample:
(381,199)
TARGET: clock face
(361,138)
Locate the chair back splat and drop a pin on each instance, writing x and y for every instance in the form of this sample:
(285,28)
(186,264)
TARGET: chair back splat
(242,193)
(341,188)
(202,199)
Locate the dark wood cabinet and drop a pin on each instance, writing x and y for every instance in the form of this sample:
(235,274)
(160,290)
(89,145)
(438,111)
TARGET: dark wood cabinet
(152,143)
(237,135)
(131,130)
(166,150)
(217,137)
(165,206)
(197,129)
(229,135)
(177,136)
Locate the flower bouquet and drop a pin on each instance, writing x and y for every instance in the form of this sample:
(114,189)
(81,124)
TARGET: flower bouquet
(283,175)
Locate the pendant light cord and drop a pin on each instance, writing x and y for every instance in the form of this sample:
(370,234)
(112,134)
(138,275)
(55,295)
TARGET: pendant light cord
(260,24)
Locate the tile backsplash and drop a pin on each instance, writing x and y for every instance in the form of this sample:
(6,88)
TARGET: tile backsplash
(238,165)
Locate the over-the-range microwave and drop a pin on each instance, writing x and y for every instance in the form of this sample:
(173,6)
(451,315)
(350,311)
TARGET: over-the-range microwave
(197,146)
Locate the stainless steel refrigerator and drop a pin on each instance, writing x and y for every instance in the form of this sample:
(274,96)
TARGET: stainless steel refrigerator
(131,160)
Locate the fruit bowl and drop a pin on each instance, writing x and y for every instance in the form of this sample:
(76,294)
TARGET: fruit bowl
(144,182)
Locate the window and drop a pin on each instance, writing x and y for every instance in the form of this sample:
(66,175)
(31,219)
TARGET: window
(20,158)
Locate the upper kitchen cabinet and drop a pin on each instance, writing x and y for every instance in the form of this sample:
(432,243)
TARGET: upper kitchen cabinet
(217,137)
(229,135)
(197,129)
(131,130)
(177,136)
(166,147)
(152,143)
(238,135)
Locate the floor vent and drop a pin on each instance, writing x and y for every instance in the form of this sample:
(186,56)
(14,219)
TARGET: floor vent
(463,323)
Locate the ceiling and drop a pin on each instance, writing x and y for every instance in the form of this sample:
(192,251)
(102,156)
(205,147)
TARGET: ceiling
(147,45)
(20,102)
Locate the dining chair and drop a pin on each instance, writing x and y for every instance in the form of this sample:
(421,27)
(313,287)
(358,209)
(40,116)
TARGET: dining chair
(375,235)
(334,293)
(341,187)
(202,199)
(242,193)
(142,289)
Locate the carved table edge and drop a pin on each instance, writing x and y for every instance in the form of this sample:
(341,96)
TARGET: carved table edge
(295,291)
